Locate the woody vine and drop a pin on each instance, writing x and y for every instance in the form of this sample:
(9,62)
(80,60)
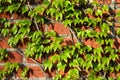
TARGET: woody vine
(73,59)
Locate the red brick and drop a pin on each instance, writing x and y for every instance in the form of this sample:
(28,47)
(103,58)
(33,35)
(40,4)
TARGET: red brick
(23,45)
(112,75)
(117,25)
(59,28)
(88,42)
(50,73)
(117,10)
(108,2)
(95,44)
(83,27)
(29,60)
(18,74)
(15,16)
(35,71)
(14,57)
(91,42)
(117,1)
(118,6)
(90,16)
(104,2)
(63,73)
(4,44)
(118,74)
(84,73)
(68,41)
(5,15)
(1,67)
(2,61)
(53,73)
(116,43)
(39,60)
(97,29)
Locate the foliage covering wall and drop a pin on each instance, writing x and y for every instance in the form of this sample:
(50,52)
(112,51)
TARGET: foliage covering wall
(93,52)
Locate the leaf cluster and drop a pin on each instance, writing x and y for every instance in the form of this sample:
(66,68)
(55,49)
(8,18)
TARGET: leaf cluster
(81,17)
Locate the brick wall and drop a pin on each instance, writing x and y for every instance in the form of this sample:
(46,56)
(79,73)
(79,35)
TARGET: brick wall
(36,72)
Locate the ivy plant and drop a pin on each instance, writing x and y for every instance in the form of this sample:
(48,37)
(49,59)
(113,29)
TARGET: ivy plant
(85,21)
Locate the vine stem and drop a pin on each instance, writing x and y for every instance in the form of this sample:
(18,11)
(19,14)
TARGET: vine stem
(22,53)
(37,27)
(41,66)
(72,32)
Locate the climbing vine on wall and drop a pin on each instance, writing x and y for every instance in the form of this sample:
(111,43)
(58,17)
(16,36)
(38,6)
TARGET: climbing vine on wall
(98,62)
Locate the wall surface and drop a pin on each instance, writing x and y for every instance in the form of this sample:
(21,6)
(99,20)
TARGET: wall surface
(36,72)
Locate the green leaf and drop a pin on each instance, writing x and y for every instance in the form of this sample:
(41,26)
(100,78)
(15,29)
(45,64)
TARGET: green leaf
(105,28)
(46,3)
(118,31)
(51,11)
(106,61)
(1,9)
(70,8)
(2,20)
(35,36)
(7,24)
(48,64)
(39,19)
(113,56)
(118,78)
(111,69)
(65,55)
(100,41)
(3,54)
(14,29)
(50,34)
(109,42)
(57,77)
(13,7)
(98,12)
(117,68)
(24,72)
(24,9)
(80,61)
(39,9)
(88,65)
(46,41)
(108,49)
(105,8)
(78,45)
(55,58)
(89,57)
(31,13)
(86,19)
(118,14)
(5,31)
(67,22)
(10,1)
(61,66)
(58,16)
(24,22)
(47,49)
(66,3)
(74,63)
(98,51)
(74,73)
(89,10)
